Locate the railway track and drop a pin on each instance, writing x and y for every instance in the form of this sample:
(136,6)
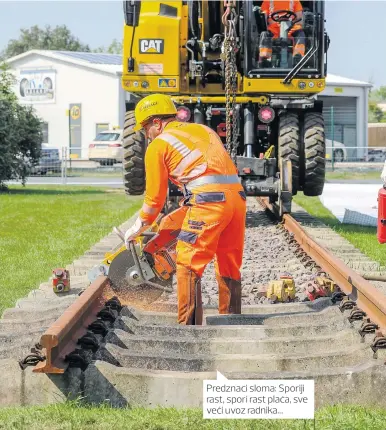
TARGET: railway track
(140,356)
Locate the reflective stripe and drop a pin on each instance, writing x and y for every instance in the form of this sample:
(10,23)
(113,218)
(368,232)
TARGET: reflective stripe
(265,52)
(198,170)
(148,209)
(299,49)
(214,179)
(176,144)
(184,163)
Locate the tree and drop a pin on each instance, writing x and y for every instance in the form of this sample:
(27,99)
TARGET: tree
(382,93)
(21,136)
(375,112)
(115,47)
(58,38)
(6,82)
(378,95)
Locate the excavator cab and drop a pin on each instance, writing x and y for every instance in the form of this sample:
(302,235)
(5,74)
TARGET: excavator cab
(282,47)
(205,54)
(283,44)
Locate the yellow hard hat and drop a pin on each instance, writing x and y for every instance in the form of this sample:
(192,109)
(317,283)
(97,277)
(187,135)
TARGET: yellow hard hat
(153,105)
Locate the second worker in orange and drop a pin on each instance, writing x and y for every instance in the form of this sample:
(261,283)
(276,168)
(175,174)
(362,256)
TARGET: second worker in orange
(269,8)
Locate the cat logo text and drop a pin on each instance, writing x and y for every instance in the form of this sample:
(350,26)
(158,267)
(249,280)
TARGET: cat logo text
(151,46)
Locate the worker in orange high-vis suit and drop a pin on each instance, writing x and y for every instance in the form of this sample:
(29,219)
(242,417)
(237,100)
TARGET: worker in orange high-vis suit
(193,157)
(296,32)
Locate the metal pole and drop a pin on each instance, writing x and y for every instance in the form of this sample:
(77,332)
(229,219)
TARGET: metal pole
(62,169)
(69,134)
(332,137)
(249,132)
(65,167)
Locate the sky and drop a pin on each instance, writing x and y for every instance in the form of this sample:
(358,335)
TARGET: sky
(356,29)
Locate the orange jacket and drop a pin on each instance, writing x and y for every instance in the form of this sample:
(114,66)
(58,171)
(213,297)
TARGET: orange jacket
(184,151)
(270,6)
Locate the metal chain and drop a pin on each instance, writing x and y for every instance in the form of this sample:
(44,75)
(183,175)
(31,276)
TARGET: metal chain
(229,49)
(227,94)
(235,118)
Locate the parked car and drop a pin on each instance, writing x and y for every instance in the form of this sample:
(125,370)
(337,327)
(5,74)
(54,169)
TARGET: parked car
(107,147)
(340,152)
(376,155)
(49,161)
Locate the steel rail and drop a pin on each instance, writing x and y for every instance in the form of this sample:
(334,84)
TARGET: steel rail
(62,336)
(358,289)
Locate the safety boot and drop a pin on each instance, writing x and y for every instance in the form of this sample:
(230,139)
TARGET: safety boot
(190,311)
(229,290)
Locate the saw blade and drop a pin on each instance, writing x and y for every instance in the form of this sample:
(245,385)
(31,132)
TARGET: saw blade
(119,273)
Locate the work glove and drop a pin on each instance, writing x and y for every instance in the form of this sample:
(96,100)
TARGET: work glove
(133,232)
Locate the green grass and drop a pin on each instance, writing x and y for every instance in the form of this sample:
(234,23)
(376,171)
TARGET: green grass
(72,417)
(43,227)
(347,174)
(363,238)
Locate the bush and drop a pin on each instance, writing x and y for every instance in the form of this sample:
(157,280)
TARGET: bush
(20,133)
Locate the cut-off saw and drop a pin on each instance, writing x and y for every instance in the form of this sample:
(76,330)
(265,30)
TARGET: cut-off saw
(145,271)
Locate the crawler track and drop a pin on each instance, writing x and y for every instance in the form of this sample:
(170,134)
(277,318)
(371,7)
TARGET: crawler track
(142,357)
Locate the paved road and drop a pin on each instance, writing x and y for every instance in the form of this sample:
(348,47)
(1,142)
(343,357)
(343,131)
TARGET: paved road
(93,181)
(354,181)
(87,164)
(116,182)
(341,199)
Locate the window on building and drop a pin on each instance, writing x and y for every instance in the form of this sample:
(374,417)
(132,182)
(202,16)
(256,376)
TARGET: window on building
(45,131)
(101,126)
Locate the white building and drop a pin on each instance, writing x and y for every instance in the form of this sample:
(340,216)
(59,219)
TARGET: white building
(89,84)
(81,90)
(349,99)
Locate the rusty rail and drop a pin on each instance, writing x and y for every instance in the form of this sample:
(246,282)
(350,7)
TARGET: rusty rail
(62,336)
(358,289)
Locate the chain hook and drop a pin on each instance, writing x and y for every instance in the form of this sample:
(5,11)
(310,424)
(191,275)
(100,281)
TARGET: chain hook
(225,15)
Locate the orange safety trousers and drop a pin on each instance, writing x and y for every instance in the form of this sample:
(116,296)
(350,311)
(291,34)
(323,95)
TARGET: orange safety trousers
(298,38)
(213,227)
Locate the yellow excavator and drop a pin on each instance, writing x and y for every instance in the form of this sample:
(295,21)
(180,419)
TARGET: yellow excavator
(208,56)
